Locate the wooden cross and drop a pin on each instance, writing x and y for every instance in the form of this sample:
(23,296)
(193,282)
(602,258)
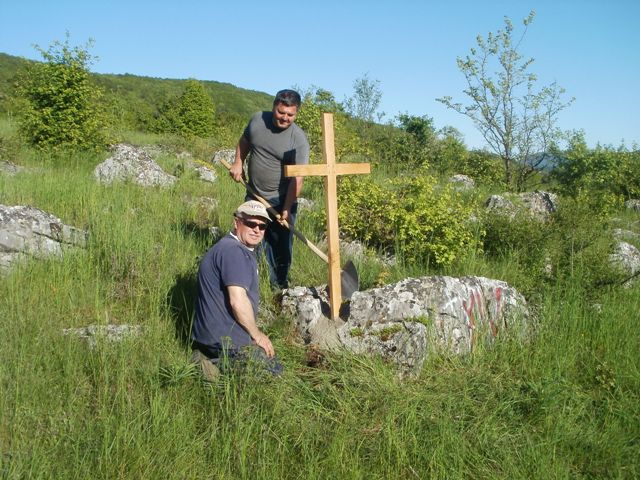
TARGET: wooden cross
(330,170)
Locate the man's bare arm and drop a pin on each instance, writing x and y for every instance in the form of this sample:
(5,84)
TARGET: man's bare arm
(243,313)
(242,150)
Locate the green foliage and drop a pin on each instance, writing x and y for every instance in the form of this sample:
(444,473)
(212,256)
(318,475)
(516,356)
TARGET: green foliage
(309,118)
(62,107)
(484,167)
(364,102)
(449,153)
(516,119)
(573,246)
(189,115)
(563,405)
(420,128)
(601,170)
(414,216)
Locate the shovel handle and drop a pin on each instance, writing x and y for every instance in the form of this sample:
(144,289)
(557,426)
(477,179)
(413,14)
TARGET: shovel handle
(284,223)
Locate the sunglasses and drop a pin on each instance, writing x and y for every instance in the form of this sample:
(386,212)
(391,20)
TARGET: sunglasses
(253,224)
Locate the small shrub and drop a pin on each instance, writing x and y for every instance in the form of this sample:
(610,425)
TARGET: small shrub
(61,107)
(415,216)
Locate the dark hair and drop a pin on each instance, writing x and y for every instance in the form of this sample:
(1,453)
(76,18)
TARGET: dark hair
(290,98)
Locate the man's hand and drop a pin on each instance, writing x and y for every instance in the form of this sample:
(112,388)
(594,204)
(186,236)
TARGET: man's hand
(242,150)
(263,341)
(284,216)
(236,171)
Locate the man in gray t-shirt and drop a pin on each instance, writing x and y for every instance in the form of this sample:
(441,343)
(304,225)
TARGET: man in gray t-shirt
(270,141)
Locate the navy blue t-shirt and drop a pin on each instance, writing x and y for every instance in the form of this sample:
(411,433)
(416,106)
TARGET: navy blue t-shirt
(228,263)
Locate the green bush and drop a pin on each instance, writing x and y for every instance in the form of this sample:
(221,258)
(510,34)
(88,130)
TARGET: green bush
(413,216)
(572,247)
(603,169)
(189,115)
(62,108)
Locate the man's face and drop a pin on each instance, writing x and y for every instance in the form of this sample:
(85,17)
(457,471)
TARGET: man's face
(250,231)
(284,116)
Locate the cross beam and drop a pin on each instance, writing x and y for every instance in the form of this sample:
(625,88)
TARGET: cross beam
(330,171)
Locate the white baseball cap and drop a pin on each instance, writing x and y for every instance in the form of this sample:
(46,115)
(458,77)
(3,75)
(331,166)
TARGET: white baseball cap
(252,208)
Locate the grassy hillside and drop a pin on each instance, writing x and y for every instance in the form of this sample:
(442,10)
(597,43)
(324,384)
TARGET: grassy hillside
(565,405)
(144,95)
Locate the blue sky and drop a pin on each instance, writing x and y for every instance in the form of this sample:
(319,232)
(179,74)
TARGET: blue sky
(589,47)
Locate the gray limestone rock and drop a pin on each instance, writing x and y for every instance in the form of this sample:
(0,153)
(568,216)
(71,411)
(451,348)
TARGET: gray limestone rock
(228,155)
(406,321)
(10,168)
(30,232)
(633,204)
(129,163)
(627,258)
(111,333)
(462,182)
(539,204)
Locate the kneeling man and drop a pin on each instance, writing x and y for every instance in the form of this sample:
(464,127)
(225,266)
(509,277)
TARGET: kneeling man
(224,328)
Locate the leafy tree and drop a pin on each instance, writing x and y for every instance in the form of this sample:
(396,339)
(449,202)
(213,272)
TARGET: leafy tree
(192,114)
(315,102)
(365,101)
(450,153)
(421,128)
(62,108)
(516,120)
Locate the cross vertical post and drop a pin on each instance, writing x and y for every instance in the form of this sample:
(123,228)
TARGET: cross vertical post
(330,170)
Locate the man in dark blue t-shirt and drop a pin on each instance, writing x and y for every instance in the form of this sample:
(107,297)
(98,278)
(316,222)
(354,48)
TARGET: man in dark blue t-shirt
(226,308)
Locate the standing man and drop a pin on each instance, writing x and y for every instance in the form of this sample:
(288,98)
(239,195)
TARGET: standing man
(224,328)
(273,140)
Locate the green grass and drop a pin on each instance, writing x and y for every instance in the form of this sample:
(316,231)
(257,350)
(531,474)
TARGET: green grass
(565,405)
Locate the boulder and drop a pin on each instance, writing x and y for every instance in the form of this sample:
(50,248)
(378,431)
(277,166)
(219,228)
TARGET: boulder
(633,204)
(228,155)
(133,164)
(91,334)
(30,232)
(539,204)
(10,168)
(205,173)
(406,321)
(622,234)
(627,258)
(462,182)
(500,204)
(305,204)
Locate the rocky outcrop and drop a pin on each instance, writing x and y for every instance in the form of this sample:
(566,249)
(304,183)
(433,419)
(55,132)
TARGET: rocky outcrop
(91,334)
(538,204)
(132,164)
(228,155)
(462,182)
(627,258)
(633,204)
(10,168)
(406,321)
(30,232)
(204,173)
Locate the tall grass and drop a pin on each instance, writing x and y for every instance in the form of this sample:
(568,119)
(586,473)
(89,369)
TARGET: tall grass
(564,405)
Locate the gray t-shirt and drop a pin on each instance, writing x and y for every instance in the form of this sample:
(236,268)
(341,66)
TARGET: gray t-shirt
(271,150)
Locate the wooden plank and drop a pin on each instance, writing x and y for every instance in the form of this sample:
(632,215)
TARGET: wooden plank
(331,195)
(330,170)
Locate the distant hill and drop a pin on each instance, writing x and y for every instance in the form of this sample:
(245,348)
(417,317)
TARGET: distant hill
(139,96)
